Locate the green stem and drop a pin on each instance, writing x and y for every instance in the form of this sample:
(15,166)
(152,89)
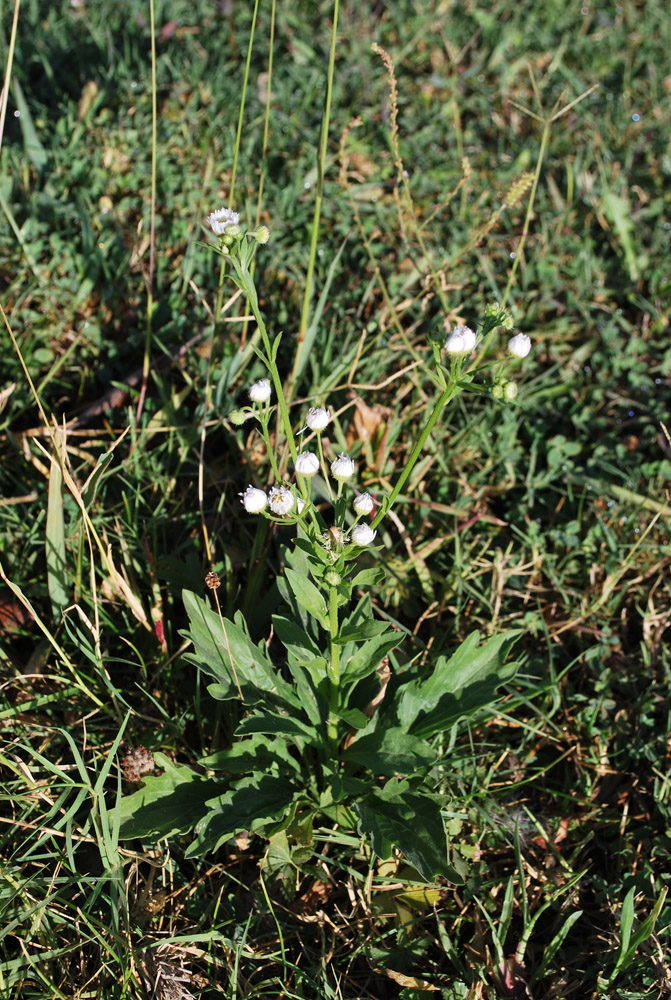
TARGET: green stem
(449,393)
(334,667)
(249,289)
(271,454)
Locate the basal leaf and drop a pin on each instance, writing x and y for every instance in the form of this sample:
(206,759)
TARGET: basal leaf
(255,802)
(408,821)
(167,804)
(458,686)
(256,753)
(282,725)
(390,751)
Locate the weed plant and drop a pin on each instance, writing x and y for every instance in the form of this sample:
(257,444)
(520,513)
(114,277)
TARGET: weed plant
(413,163)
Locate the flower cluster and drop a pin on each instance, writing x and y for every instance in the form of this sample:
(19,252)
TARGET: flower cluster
(283,499)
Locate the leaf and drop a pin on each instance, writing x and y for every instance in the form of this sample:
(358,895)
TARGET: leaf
(282,725)
(167,804)
(228,653)
(34,149)
(390,751)
(308,668)
(458,686)
(57,577)
(619,214)
(365,659)
(365,630)
(410,822)
(255,802)
(257,753)
(308,596)
(369,577)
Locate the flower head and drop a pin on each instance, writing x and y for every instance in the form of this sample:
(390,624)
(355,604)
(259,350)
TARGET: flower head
(342,467)
(307,464)
(519,345)
(363,535)
(364,503)
(461,340)
(260,391)
(219,220)
(318,418)
(280,499)
(253,500)
(262,234)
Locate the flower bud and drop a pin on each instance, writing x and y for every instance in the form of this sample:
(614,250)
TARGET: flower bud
(233,231)
(461,340)
(306,464)
(253,500)
(364,503)
(332,577)
(260,392)
(280,499)
(363,535)
(221,220)
(497,390)
(342,467)
(519,345)
(318,418)
(238,417)
(510,391)
(262,234)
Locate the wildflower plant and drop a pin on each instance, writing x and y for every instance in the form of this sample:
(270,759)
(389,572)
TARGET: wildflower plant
(320,731)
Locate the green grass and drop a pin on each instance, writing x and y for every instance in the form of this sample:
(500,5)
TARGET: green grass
(549,514)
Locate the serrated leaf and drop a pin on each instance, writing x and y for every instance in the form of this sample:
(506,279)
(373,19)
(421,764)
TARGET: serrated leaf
(229,655)
(167,804)
(258,801)
(256,753)
(458,686)
(282,725)
(408,821)
(390,751)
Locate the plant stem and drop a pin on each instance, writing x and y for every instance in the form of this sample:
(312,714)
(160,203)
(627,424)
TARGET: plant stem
(449,393)
(247,284)
(334,666)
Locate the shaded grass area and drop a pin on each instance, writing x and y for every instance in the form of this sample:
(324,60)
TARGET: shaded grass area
(551,512)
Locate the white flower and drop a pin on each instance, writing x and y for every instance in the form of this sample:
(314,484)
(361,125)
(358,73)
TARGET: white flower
(318,418)
(519,345)
(364,503)
(221,218)
(363,535)
(260,391)
(307,464)
(300,504)
(281,499)
(461,340)
(342,467)
(253,500)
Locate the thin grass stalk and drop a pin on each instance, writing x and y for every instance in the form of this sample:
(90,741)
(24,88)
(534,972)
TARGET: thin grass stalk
(217,310)
(152,215)
(321,164)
